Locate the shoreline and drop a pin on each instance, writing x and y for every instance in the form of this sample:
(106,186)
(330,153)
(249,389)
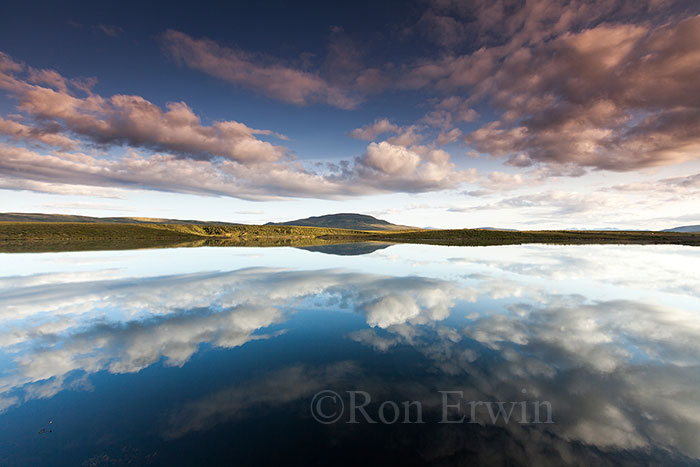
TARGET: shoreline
(67,236)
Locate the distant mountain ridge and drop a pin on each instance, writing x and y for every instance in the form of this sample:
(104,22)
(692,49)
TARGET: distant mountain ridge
(339,221)
(352,221)
(345,221)
(684,228)
(38,217)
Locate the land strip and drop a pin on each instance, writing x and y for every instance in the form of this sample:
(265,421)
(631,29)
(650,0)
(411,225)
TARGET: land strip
(69,236)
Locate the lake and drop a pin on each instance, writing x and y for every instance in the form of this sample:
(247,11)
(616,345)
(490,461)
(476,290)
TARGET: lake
(351,354)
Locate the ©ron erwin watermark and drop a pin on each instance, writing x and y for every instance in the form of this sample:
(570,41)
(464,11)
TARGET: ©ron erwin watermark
(330,407)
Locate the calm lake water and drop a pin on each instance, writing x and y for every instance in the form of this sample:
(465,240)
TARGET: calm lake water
(242,356)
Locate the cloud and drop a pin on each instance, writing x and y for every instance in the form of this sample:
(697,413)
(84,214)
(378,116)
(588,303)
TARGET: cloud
(7,64)
(43,172)
(133,120)
(21,184)
(458,108)
(396,167)
(47,135)
(391,159)
(406,136)
(444,30)
(372,131)
(551,204)
(262,74)
(447,114)
(497,182)
(503,181)
(593,104)
(650,204)
(684,186)
(508,25)
(403,136)
(344,66)
(385,168)
(449,136)
(225,158)
(603,85)
(109,30)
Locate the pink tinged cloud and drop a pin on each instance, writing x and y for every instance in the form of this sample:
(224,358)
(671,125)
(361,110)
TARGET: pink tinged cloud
(450,136)
(615,97)
(403,136)
(448,113)
(131,120)
(222,159)
(407,136)
(264,75)
(603,84)
(372,131)
(46,135)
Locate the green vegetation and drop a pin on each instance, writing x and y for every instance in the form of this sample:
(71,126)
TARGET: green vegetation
(66,236)
(506,237)
(71,236)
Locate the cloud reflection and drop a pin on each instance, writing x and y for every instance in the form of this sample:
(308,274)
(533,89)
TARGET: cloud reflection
(51,327)
(621,372)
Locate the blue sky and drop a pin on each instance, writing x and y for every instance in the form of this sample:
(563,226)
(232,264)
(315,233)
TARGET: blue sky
(532,114)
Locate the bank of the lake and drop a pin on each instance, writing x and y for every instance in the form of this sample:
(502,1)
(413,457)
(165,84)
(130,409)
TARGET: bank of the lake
(62,236)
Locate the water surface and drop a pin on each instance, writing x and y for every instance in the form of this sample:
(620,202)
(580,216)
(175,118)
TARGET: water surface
(215,355)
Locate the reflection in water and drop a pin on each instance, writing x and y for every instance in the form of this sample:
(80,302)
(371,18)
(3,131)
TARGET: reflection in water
(126,325)
(348,249)
(616,353)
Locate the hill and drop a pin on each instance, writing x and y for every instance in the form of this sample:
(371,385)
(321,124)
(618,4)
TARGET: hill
(38,217)
(684,228)
(346,221)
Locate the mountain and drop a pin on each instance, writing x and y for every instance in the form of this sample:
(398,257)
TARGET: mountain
(37,217)
(345,221)
(684,228)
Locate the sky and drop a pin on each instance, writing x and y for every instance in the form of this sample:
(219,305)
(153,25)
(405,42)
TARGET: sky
(434,113)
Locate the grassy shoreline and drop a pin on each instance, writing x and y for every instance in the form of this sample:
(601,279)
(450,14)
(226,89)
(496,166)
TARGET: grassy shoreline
(68,236)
